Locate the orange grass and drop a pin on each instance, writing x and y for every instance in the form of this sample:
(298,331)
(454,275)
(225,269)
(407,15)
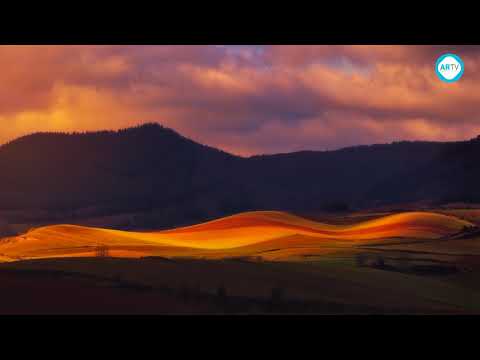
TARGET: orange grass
(245,233)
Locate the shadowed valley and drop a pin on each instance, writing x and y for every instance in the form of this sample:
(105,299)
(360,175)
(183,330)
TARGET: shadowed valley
(151,177)
(152,222)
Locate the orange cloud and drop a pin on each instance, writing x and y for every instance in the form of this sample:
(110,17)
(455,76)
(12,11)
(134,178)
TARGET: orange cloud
(245,99)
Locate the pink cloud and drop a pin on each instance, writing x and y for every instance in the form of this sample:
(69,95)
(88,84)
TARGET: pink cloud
(245,100)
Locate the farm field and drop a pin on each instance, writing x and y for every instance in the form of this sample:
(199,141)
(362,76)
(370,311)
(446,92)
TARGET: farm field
(260,262)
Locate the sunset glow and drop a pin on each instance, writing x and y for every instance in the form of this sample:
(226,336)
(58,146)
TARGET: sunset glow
(243,99)
(248,233)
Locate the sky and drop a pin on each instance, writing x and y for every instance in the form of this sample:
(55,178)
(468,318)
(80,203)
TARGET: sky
(243,99)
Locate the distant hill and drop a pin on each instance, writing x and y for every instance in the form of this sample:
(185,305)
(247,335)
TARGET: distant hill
(171,180)
(275,233)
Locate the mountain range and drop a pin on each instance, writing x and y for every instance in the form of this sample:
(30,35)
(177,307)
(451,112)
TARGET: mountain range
(172,180)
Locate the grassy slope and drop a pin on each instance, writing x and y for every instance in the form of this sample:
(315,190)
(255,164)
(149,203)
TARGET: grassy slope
(331,280)
(314,268)
(246,234)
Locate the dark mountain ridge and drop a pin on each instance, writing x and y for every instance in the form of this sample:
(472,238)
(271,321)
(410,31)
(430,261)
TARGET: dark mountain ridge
(153,170)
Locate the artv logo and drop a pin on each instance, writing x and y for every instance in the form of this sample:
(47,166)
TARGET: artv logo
(449,68)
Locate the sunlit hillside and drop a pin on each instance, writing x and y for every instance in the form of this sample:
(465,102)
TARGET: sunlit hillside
(251,233)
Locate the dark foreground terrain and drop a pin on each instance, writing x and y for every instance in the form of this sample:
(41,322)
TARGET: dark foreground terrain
(161,286)
(384,276)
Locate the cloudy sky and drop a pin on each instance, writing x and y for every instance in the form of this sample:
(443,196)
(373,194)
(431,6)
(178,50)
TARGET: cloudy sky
(243,99)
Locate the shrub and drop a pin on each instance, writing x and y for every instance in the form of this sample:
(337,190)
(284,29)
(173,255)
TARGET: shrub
(101,251)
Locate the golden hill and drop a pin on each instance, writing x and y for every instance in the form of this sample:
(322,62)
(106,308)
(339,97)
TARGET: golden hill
(245,233)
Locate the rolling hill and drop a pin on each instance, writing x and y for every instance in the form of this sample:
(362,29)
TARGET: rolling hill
(248,233)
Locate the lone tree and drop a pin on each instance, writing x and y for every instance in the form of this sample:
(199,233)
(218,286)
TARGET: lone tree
(101,251)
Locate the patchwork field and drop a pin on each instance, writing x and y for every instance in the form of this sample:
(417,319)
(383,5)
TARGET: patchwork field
(248,234)
(257,262)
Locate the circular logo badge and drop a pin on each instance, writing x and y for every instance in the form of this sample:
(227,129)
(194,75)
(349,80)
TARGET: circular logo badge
(449,68)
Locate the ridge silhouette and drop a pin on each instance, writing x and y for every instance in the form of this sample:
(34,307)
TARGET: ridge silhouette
(174,181)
